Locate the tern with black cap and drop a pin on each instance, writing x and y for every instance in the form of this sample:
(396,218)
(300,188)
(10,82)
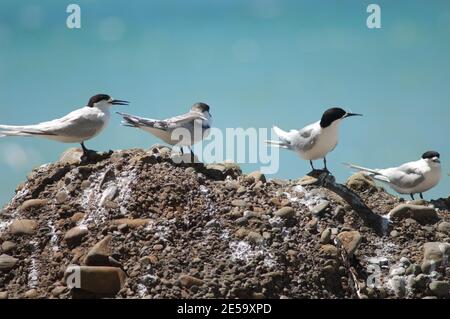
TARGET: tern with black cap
(76,127)
(410,178)
(316,140)
(182,130)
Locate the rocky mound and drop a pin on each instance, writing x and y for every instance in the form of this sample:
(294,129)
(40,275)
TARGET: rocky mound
(134,224)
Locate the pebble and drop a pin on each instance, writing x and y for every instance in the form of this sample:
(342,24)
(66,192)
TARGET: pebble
(350,240)
(23,227)
(444,227)
(32,204)
(325,237)
(440,289)
(321,208)
(7,262)
(189,281)
(75,235)
(8,246)
(285,212)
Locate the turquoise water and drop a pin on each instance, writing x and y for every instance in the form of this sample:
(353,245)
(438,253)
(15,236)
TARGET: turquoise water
(268,62)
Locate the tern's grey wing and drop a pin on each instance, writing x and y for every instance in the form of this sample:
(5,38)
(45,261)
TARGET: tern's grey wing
(305,139)
(83,127)
(405,176)
(184,119)
(137,121)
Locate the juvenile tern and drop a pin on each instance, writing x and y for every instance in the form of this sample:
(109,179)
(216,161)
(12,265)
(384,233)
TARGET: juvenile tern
(182,130)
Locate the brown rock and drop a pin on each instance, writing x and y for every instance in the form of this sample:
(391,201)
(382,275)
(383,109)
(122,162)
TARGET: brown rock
(31,294)
(99,254)
(75,235)
(444,227)
(106,281)
(8,246)
(7,262)
(329,251)
(132,223)
(350,241)
(285,212)
(77,217)
(422,214)
(361,182)
(307,180)
(189,281)
(71,156)
(255,177)
(23,227)
(3,295)
(32,203)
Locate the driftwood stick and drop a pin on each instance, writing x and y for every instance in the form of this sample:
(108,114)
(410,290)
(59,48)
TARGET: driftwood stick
(371,219)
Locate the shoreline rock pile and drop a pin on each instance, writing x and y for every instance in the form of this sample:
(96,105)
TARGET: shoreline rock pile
(140,224)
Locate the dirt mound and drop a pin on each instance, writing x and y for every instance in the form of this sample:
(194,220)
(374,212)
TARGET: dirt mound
(133,224)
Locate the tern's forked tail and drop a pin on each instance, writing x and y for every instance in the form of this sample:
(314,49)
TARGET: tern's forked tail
(11,130)
(369,171)
(282,135)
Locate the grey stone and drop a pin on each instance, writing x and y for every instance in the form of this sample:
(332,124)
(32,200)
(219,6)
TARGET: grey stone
(350,240)
(7,262)
(440,289)
(321,208)
(75,235)
(285,212)
(422,214)
(325,237)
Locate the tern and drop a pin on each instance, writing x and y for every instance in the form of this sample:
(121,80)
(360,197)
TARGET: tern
(76,127)
(410,178)
(182,130)
(316,140)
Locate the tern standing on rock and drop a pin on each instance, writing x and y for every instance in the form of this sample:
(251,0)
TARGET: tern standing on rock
(316,140)
(197,123)
(410,178)
(76,127)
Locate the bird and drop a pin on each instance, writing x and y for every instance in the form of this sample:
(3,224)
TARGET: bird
(316,140)
(182,130)
(78,126)
(410,178)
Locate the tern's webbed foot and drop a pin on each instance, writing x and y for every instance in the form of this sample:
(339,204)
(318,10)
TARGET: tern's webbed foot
(89,155)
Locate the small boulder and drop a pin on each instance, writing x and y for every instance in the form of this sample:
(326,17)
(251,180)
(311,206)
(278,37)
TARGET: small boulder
(329,251)
(350,241)
(307,180)
(189,281)
(7,262)
(285,212)
(100,254)
(32,204)
(321,208)
(71,156)
(421,214)
(444,227)
(23,227)
(106,281)
(132,223)
(8,246)
(255,177)
(75,235)
(361,182)
(440,289)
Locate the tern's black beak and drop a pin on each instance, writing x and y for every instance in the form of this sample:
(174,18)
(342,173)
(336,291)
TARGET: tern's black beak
(351,114)
(119,102)
(436,160)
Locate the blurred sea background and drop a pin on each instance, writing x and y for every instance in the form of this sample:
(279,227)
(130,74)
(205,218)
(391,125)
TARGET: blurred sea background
(256,62)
